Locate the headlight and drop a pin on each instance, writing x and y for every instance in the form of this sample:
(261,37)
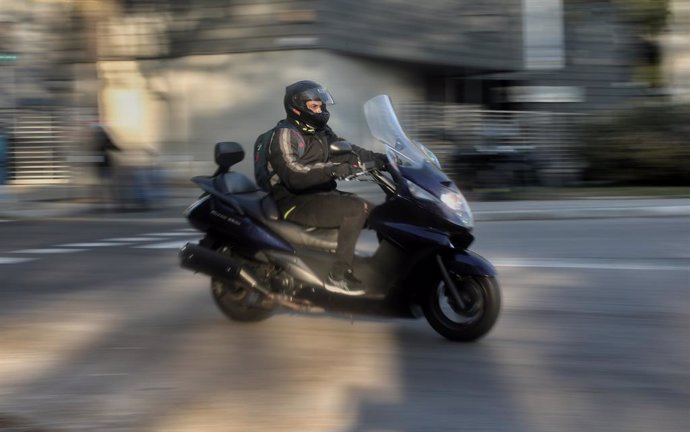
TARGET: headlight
(456,201)
(454,204)
(453,200)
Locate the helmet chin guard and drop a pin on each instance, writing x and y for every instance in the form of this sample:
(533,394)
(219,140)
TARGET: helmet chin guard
(296,97)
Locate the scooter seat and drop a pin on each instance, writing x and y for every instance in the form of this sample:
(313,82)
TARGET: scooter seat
(261,206)
(234,183)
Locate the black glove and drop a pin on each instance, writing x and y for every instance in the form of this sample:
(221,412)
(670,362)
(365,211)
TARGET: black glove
(381,161)
(343,170)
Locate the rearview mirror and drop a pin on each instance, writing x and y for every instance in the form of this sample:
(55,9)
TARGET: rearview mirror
(339,148)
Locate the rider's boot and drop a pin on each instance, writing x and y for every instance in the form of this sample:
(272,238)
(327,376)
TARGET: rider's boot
(343,281)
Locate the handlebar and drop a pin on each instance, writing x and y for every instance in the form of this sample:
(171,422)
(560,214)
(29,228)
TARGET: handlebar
(355,176)
(367,167)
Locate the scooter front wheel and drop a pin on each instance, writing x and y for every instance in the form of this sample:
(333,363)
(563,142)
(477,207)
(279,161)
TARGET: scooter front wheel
(232,300)
(481,298)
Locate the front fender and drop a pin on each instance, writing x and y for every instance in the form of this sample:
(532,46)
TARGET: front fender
(470,263)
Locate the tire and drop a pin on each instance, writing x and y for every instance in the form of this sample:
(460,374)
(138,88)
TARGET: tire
(482,297)
(230,300)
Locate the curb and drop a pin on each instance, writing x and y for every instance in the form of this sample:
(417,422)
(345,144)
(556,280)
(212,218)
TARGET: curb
(590,213)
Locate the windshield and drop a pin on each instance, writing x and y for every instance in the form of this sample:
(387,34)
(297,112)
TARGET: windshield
(385,127)
(414,168)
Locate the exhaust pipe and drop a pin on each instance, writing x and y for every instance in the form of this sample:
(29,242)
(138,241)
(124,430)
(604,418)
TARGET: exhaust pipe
(211,263)
(203,260)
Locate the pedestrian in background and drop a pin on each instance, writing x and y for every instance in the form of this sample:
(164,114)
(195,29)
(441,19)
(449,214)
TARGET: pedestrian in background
(103,147)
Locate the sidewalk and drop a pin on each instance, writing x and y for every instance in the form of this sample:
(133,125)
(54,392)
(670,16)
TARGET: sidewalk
(581,209)
(63,202)
(37,207)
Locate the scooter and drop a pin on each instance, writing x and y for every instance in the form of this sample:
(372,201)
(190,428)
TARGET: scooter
(259,263)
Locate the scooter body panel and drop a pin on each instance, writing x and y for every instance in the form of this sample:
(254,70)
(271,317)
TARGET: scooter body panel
(469,263)
(215,215)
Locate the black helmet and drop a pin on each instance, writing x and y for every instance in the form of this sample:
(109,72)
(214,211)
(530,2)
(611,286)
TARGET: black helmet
(297,95)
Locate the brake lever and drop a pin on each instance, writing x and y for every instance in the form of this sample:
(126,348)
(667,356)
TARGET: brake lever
(355,176)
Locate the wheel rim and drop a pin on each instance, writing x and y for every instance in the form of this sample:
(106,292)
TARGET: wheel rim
(226,291)
(471,295)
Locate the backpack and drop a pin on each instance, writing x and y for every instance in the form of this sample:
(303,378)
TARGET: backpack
(262,147)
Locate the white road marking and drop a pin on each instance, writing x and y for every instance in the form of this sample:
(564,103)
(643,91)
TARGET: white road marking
(109,374)
(131,239)
(588,264)
(190,233)
(194,230)
(171,234)
(94,244)
(13,260)
(165,245)
(48,251)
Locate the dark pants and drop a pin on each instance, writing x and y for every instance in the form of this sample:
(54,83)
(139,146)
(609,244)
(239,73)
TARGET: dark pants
(330,210)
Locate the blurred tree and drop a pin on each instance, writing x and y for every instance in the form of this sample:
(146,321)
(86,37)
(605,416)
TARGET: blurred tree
(646,145)
(650,15)
(649,18)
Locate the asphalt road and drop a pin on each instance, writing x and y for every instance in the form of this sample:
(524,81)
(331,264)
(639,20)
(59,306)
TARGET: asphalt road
(100,330)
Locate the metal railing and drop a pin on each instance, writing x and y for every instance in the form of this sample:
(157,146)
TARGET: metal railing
(39,145)
(454,130)
(42,141)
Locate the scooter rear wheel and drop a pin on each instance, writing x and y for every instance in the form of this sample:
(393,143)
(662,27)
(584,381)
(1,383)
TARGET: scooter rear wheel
(482,304)
(231,300)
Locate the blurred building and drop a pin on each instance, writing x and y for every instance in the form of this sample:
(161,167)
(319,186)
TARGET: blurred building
(175,77)
(41,49)
(676,47)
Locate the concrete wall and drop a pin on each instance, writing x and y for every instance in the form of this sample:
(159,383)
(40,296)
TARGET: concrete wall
(181,107)
(484,34)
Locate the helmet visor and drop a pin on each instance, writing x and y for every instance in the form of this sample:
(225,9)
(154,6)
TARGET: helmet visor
(314,94)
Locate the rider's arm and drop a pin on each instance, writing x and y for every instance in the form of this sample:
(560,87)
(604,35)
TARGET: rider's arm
(363,154)
(293,173)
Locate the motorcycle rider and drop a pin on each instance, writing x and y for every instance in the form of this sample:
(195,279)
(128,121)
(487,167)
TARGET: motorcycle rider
(304,184)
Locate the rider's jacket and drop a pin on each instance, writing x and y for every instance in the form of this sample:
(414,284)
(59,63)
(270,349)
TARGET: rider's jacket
(300,159)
